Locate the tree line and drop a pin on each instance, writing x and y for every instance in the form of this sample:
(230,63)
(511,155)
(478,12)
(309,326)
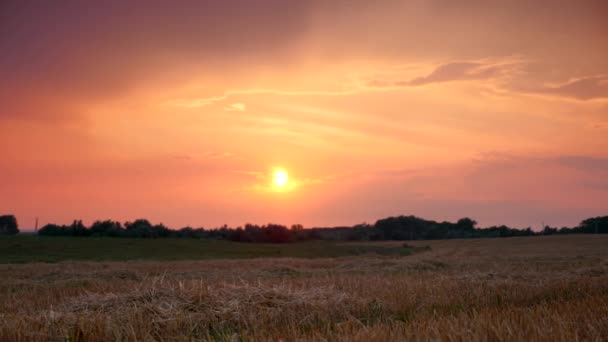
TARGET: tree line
(390,228)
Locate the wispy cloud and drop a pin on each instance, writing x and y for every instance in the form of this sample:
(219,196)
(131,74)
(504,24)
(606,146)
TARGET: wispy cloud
(203,155)
(585,163)
(457,71)
(460,71)
(443,73)
(251,173)
(583,88)
(599,125)
(510,72)
(236,107)
(217,155)
(206,101)
(548,176)
(504,74)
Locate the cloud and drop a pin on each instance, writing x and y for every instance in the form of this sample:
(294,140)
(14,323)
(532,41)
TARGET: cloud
(217,155)
(585,163)
(598,185)
(456,71)
(580,162)
(584,88)
(81,53)
(235,107)
(562,177)
(599,125)
(251,173)
(196,102)
(204,155)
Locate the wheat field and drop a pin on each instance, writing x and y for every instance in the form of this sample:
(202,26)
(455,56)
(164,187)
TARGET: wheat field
(512,289)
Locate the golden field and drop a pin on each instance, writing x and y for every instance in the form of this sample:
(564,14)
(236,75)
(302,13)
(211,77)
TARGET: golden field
(510,289)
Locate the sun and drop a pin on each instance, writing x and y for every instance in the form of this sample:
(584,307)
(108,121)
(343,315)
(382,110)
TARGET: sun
(280,178)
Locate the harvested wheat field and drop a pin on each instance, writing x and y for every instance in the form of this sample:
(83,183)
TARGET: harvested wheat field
(512,289)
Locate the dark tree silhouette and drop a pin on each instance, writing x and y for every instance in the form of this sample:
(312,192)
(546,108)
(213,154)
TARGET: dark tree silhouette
(106,228)
(595,225)
(144,229)
(390,228)
(8,225)
(466,223)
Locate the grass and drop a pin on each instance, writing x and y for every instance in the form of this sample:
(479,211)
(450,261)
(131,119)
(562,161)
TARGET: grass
(31,248)
(515,289)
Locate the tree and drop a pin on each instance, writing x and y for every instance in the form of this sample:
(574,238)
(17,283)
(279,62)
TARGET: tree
(53,230)
(466,223)
(106,228)
(8,225)
(296,227)
(547,230)
(595,225)
(142,228)
(276,233)
(79,229)
(404,228)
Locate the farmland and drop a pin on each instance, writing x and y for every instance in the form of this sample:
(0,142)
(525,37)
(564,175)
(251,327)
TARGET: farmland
(551,288)
(30,248)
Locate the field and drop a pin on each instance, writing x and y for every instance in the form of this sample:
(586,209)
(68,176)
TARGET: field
(536,288)
(24,249)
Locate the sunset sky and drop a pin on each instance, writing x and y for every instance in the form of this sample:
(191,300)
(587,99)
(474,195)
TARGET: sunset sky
(181,111)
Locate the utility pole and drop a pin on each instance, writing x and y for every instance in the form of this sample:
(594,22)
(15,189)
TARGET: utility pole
(36,226)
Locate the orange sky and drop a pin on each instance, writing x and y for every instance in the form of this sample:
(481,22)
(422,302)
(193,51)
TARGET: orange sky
(180,111)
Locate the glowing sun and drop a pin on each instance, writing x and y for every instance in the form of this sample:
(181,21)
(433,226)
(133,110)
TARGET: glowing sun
(280,178)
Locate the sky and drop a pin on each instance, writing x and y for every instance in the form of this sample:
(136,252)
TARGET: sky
(180,111)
